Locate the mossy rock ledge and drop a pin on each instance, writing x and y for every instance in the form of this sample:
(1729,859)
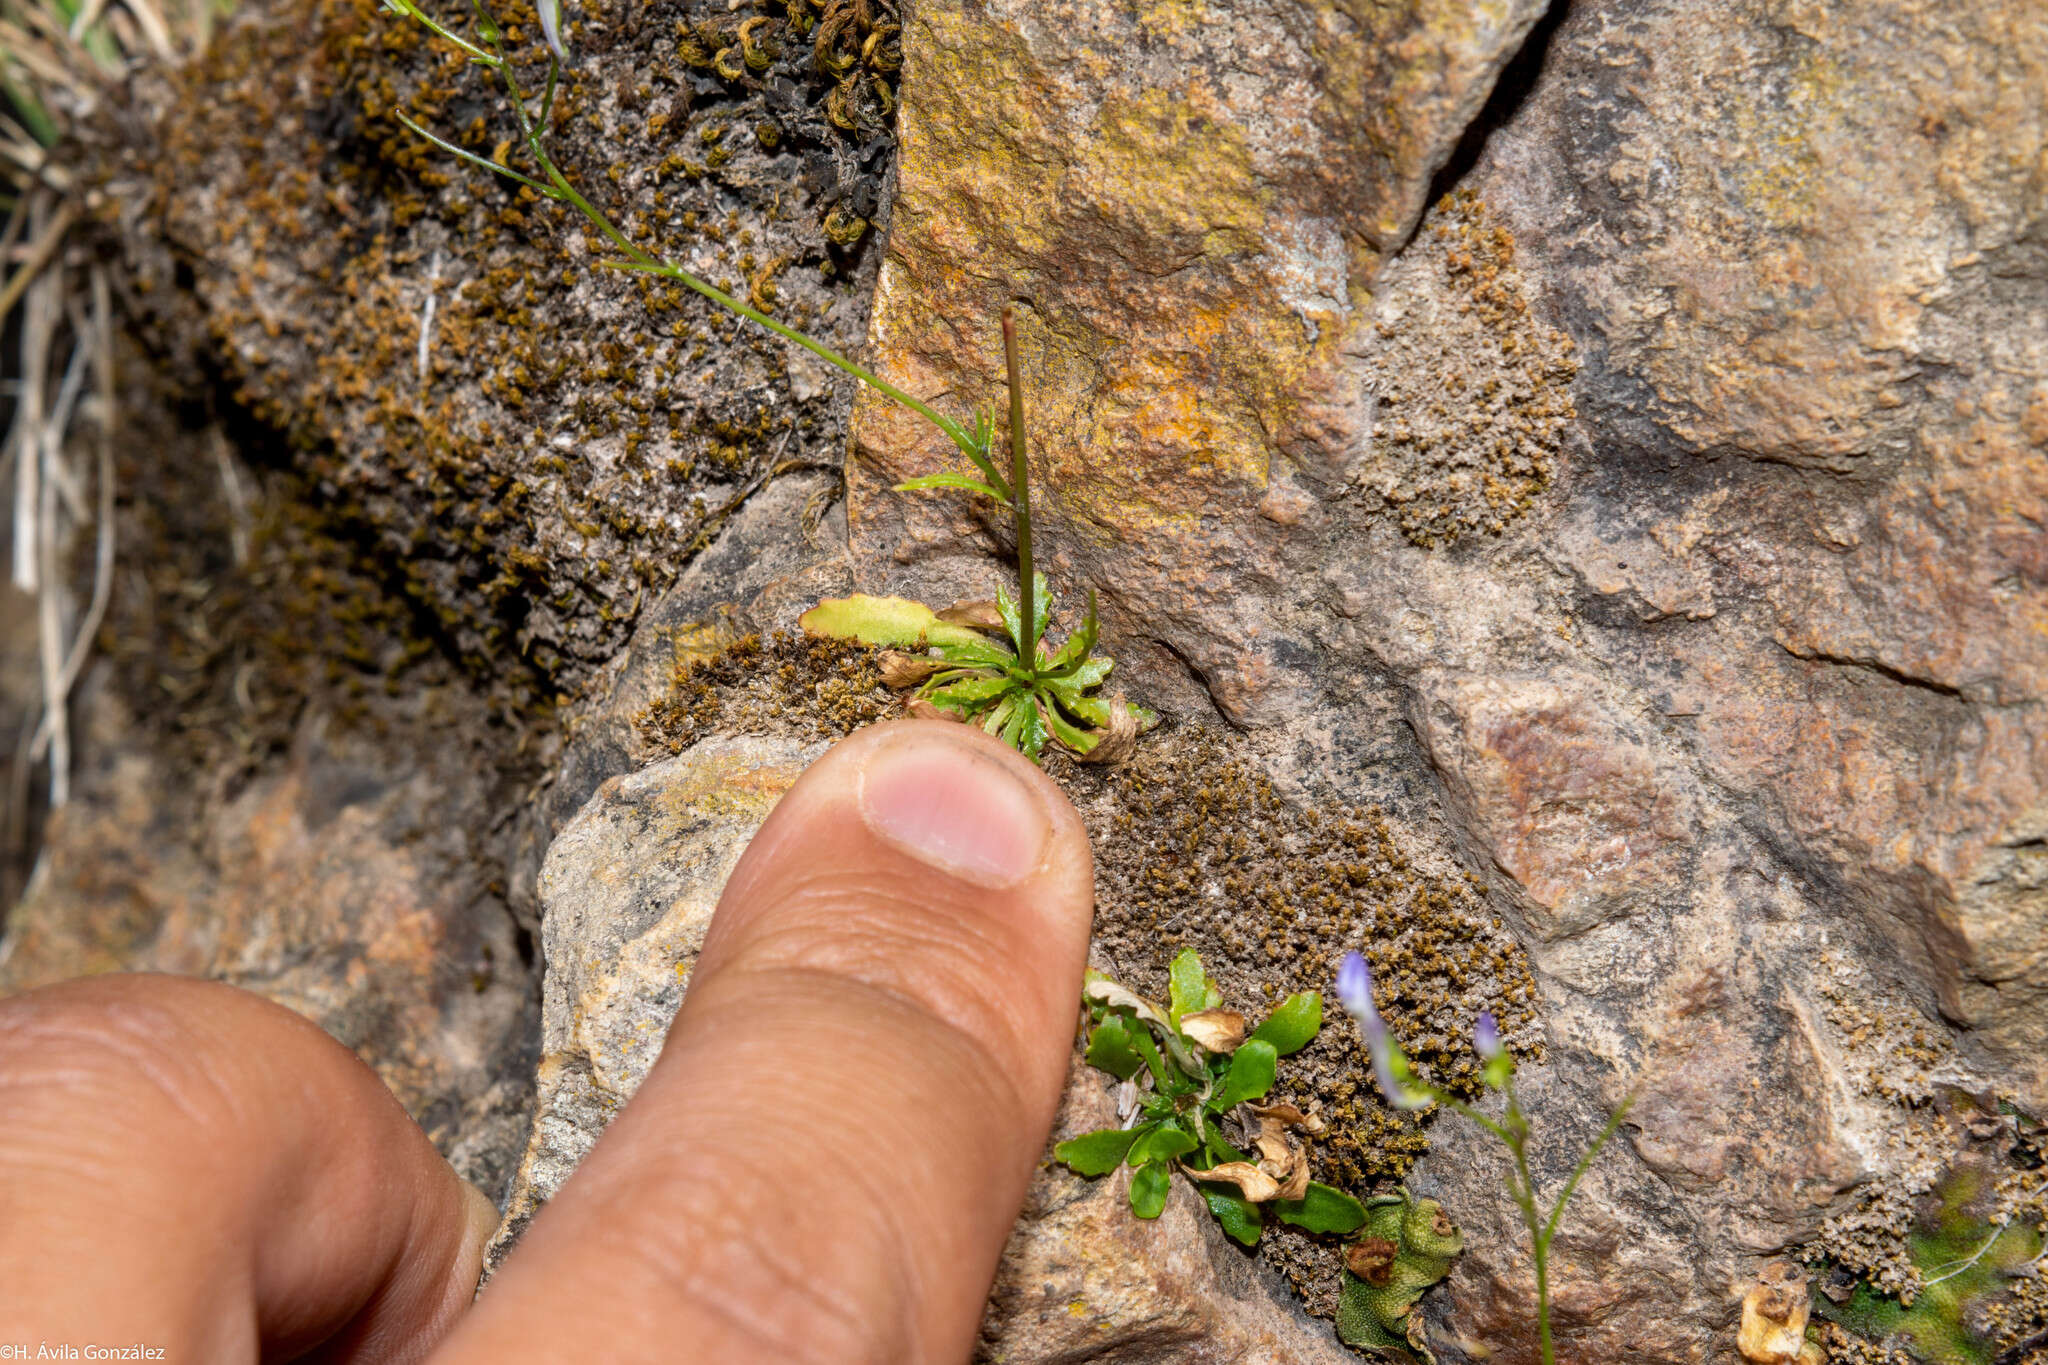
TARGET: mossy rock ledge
(1573,478)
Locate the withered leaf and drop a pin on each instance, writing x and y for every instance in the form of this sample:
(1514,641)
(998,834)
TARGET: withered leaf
(1119,738)
(900,670)
(1215,1030)
(1282,1157)
(982,615)
(1290,1114)
(1254,1184)
(1371,1259)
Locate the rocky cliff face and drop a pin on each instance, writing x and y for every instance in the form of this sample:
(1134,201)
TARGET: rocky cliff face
(1603,450)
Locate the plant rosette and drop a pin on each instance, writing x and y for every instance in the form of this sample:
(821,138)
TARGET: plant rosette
(1188,1070)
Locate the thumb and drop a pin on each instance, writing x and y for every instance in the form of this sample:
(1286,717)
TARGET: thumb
(824,1162)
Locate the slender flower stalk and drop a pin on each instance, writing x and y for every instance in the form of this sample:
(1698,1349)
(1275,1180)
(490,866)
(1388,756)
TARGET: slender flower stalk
(1404,1090)
(1027,700)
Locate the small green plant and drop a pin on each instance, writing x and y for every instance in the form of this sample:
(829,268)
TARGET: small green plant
(1190,1065)
(1406,1246)
(1962,1260)
(1011,685)
(1404,1090)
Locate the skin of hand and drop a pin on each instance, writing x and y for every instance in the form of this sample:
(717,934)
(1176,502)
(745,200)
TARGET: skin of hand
(822,1165)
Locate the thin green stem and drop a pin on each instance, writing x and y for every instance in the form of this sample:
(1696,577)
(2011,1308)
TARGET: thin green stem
(1585,1164)
(1539,1245)
(643,261)
(1020,485)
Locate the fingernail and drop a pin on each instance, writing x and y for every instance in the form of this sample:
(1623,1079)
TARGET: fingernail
(956,809)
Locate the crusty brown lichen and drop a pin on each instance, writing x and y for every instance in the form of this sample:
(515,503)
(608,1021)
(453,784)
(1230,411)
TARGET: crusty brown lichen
(1473,392)
(783,684)
(573,434)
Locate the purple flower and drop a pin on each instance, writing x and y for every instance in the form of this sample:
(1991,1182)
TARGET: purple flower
(551,26)
(1486,1037)
(1389,1065)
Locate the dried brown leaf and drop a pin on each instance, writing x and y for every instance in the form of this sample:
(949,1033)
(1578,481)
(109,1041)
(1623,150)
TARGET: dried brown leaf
(1254,1184)
(900,670)
(1282,1157)
(1291,1115)
(1119,738)
(1215,1030)
(1118,997)
(920,709)
(982,615)
(1371,1259)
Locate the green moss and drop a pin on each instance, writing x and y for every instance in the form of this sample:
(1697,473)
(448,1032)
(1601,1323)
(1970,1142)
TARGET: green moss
(1406,1246)
(1963,1263)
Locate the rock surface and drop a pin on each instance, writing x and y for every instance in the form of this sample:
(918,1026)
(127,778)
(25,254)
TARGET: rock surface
(1658,519)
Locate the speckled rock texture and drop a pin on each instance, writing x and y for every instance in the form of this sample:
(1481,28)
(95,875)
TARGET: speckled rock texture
(626,894)
(1610,439)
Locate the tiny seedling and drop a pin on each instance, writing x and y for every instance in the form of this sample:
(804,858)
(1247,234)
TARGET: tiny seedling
(1404,1090)
(1185,1069)
(1011,686)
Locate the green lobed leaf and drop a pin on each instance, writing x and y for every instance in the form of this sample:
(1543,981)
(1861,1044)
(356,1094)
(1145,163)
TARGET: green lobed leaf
(1323,1209)
(1110,1048)
(1294,1025)
(1068,733)
(1250,1076)
(1165,1142)
(1190,986)
(972,691)
(1031,733)
(1099,1152)
(1148,1190)
(977,651)
(1090,710)
(1087,675)
(1239,1217)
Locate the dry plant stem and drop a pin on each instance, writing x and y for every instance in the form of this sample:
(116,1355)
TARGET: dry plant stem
(1020,487)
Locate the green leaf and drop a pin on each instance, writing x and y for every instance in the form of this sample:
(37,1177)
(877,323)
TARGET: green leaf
(1007,606)
(893,622)
(1164,1142)
(949,480)
(1148,1190)
(1110,1048)
(1167,1078)
(1031,732)
(977,651)
(1240,1217)
(998,719)
(1090,710)
(1293,1026)
(1322,1209)
(971,692)
(1068,733)
(1496,1072)
(1098,1153)
(1219,1151)
(1251,1075)
(1087,675)
(1191,988)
